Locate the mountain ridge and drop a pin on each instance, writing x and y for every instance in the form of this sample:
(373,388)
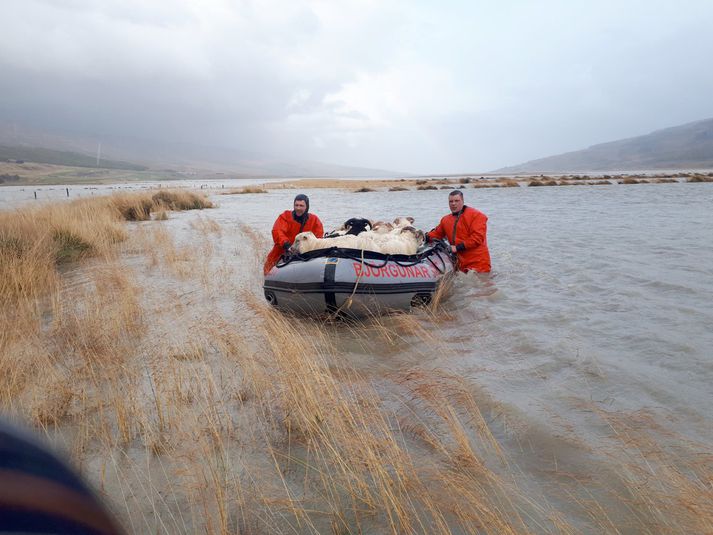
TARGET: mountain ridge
(177,156)
(686,146)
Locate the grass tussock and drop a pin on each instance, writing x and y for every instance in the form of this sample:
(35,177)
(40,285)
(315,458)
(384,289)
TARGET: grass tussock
(244,190)
(700,178)
(180,200)
(398,188)
(363,190)
(133,207)
(35,241)
(542,182)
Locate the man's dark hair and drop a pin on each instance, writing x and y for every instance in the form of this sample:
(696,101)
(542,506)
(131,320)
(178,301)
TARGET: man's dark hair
(302,197)
(456,192)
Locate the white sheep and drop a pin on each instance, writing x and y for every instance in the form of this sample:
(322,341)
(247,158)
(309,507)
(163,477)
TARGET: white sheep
(355,225)
(307,241)
(386,238)
(382,227)
(403,221)
(404,240)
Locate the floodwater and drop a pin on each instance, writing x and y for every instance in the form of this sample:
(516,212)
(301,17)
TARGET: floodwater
(600,301)
(13,196)
(603,294)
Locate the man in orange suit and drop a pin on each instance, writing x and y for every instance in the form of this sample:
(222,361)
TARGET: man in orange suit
(288,225)
(466,229)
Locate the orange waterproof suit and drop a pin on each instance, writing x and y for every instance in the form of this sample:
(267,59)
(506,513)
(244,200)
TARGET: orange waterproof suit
(286,227)
(466,230)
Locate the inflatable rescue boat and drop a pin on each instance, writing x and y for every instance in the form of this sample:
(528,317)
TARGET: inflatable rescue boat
(357,283)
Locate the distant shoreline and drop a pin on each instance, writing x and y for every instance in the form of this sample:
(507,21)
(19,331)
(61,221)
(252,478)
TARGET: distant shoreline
(464,182)
(27,174)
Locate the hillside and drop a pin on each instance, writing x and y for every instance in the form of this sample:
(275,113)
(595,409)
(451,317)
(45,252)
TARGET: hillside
(164,155)
(689,146)
(56,157)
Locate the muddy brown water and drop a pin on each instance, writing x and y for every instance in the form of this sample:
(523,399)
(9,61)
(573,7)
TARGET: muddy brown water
(599,293)
(601,299)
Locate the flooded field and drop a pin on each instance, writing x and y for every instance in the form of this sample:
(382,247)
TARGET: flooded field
(567,393)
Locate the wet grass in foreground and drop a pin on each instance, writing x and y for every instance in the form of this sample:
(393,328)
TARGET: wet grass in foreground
(194,407)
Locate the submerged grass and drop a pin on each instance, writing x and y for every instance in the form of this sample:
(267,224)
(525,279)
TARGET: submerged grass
(244,190)
(33,241)
(195,407)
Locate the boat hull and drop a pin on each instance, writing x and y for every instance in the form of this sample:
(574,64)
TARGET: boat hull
(356,283)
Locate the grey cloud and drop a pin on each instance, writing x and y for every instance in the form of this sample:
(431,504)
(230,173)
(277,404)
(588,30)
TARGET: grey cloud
(500,84)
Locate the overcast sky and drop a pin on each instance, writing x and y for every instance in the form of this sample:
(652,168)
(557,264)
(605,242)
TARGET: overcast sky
(415,86)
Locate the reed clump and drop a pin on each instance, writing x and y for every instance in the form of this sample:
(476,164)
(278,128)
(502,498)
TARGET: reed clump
(35,240)
(543,182)
(180,200)
(244,190)
(133,207)
(700,178)
(339,439)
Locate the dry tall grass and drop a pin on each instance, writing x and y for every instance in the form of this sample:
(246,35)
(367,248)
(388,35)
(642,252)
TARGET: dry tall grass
(192,406)
(244,190)
(33,241)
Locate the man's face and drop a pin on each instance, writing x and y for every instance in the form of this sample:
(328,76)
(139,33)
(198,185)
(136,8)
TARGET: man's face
(300,207)
(455,202)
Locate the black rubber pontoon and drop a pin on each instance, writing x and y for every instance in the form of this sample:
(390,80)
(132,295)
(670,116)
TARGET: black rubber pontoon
(357,283)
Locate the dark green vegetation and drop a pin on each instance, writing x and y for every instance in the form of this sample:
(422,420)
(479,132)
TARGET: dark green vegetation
(56,157)
(9,178)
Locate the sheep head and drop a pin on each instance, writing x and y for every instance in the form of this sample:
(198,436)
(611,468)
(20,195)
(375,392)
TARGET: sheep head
(382,227)
(403,221)
(417,234)
(302,240)
(357,225)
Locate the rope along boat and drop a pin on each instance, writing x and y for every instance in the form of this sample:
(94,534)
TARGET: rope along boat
(357,283)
